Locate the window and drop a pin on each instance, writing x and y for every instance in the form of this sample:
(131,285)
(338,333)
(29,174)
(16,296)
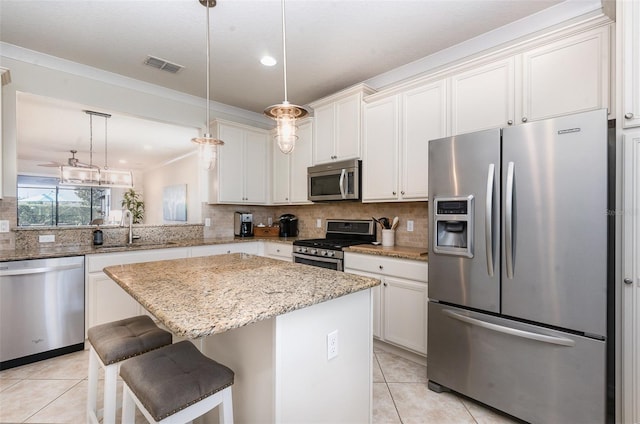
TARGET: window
(42,202)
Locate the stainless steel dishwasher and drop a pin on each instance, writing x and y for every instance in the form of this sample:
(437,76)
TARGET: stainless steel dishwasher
(41,309)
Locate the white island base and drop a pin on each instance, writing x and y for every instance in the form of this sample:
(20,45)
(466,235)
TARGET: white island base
(282,374)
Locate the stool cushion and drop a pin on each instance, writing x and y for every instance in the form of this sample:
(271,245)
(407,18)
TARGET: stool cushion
(119,340)
(173,378)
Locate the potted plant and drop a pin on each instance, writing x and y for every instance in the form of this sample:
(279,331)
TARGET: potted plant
(131,201)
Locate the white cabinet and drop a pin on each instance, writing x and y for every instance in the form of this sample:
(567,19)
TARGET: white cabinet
(106,300)
(241,175)
(630,58)
(290,171)
(337,134)
(397,131)
(483,97)
(570,75)
(281,251)
(400,302)
(5,77)
(252,247)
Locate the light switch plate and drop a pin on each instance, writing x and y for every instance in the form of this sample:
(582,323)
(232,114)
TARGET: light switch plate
(207,222)
(4,226)
(409,225)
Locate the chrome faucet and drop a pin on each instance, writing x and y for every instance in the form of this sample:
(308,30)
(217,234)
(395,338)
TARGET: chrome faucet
(127,213)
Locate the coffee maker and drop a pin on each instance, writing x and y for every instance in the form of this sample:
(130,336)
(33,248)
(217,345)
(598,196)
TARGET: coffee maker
(288,225)
(243,224)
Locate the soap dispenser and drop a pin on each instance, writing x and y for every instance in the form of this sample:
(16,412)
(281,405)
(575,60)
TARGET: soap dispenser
(97,237)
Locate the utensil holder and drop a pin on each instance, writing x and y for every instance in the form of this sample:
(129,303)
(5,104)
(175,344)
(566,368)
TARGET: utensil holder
(388,238)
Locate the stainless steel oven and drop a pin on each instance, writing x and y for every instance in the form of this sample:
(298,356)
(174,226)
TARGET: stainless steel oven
(334,181)
(327,252)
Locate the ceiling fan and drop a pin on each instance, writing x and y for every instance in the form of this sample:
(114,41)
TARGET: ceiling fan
(72,161)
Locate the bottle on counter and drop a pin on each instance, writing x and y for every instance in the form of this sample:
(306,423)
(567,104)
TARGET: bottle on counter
(97,237)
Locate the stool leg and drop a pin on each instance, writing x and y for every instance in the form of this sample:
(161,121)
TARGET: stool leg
(128,406)
(92,394)
(110,381)
(225,409)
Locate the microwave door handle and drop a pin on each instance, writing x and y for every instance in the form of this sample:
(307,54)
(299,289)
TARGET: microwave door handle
(342,178)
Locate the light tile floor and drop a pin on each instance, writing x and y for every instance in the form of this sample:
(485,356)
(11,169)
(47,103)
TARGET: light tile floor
(55,391)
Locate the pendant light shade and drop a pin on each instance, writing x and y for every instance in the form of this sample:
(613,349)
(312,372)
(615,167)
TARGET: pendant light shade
(285,113)
(207,144)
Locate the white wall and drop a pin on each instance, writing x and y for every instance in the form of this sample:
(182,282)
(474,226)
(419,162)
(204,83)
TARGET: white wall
(181,171)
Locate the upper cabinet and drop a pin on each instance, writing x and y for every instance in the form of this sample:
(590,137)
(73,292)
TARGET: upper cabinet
(483,97)
(397,130)
(290,171)
(630,40)
(570,75)
(240,176)
(337,125)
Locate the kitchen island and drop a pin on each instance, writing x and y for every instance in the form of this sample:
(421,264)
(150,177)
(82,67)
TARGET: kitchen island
(269,321)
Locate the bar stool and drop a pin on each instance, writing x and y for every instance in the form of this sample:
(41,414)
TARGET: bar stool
(110,345)
(175,384)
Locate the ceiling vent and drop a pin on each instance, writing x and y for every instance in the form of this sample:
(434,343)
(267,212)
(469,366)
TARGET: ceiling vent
(162,64)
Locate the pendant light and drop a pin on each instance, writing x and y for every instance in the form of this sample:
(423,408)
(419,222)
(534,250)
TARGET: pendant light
(207,144)
(90,175)
(285,113)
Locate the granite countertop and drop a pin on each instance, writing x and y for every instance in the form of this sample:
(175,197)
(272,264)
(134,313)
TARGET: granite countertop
(197,297)
(402,252)
(88,249)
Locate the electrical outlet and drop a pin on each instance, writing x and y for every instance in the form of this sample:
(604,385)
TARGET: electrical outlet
(319,223)
(47,238)
(409,225)
(332,344)
(4,226)
(207,222)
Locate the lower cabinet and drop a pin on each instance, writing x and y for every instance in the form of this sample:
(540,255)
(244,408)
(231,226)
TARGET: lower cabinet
(400,302)
(280,251)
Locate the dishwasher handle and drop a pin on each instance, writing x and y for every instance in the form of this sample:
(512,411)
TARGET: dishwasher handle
(37,270)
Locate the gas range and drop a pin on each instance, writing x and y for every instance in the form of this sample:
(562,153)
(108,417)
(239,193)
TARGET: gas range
(340,233)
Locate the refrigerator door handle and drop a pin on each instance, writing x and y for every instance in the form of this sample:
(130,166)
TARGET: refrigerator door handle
(562,341)
(488,218)
(508,216)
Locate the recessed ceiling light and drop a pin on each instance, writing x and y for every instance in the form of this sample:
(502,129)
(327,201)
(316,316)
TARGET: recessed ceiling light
(268,61)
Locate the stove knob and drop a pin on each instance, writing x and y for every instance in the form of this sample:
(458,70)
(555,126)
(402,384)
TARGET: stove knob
(323,253)
(314,251)
(331,253)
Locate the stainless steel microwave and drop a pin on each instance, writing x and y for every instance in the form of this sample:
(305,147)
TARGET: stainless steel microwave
(334,181)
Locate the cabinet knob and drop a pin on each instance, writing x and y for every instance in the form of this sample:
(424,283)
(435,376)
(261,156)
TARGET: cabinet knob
(394,193)
(628,115)
(380,266)
(628,281)
(402,192)
(384,284)
(510,122)
(524,119)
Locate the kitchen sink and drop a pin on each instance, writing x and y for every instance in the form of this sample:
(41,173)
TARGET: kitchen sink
(140,245)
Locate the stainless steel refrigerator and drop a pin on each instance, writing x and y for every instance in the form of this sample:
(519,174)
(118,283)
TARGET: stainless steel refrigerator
(518,268)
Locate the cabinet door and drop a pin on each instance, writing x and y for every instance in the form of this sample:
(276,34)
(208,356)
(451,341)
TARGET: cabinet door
(108,301)
(347,142)
(568,76)
(380,150)
(281,175)
(376,299)
(424,118)
(230,165)
(405,313)
(630,64)
(324,135)
(483,97)
(300,160)
(256,157)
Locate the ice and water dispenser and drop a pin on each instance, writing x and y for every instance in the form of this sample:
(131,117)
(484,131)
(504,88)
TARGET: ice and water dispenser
(453,224)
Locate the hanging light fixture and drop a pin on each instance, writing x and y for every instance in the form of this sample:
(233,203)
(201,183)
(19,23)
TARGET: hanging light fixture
(89,175)
(285,113)
(207,144)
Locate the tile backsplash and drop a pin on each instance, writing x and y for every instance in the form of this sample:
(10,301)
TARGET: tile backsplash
(222,218)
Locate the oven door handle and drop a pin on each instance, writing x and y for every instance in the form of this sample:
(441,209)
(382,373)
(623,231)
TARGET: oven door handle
(318,259)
